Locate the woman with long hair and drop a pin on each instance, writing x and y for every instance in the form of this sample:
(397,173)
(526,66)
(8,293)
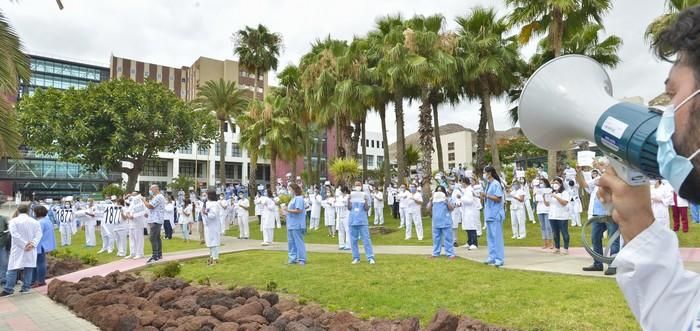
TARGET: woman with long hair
(559,215)
(543,193)
(494,215)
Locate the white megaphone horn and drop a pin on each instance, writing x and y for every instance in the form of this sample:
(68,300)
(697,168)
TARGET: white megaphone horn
(570,98)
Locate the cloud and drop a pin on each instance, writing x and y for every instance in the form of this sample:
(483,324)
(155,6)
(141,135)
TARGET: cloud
(176,32)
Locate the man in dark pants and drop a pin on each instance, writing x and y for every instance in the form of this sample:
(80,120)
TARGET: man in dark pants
(155,221)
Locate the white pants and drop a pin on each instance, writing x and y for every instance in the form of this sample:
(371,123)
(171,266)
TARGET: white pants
(379,216)
(517,222)
(120,238)
(268,235)
(136,241)
(414,219)
(90,234)
(343,233)
(243,227)
(214,252)
(66,233)
(575,219)
(530,214)
(107,240)
(480,226)
(403,215)
(315,223)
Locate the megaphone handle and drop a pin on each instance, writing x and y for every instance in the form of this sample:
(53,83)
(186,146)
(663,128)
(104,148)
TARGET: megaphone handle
(630,175)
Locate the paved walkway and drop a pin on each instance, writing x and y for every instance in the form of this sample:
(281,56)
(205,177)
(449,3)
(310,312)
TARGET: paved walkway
(35,311)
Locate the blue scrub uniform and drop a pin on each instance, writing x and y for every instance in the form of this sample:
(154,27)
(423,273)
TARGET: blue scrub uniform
(359,227)
(443,235)
(296,229)
(494,214)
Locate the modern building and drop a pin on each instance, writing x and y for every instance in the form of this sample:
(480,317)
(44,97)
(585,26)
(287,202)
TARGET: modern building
(184,82)
(42,175)
(457,146)
(374,148)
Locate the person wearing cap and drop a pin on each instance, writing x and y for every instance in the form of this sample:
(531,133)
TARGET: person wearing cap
(441,209)
(358,205)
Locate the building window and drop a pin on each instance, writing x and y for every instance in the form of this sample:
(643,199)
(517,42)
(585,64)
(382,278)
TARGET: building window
(450,157)
(451,146)
(370,160)
(225,126)
(133,71)
(157,168)
(160,76)
(235,150)
(380,160)
(145,74)
(119,69)
(233,128)
(217,149)
(450,166)
(203,150)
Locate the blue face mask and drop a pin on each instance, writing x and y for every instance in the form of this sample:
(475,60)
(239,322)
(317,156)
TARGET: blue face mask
(675,168)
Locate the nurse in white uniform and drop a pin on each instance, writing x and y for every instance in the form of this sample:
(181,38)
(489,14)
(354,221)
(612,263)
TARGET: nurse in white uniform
(329,214)
(342,213)
(661,200)
(470,215)
(315,198)
(211,217)
(267,225)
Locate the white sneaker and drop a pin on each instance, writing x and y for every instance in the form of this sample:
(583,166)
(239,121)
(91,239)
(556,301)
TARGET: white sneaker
(521,237)
(100,251)
(355,261)
(265,244)
(533,222)
(473,247)
(514,237)
(371,261)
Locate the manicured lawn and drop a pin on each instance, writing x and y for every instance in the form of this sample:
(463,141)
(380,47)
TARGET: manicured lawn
(533,239)
(78,248)
(403,286)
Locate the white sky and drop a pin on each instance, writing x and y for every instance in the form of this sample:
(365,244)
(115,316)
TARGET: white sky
(176,32)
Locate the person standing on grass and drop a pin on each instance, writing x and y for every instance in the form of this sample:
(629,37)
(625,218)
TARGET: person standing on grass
(169,217)
(543,193)
(106,228)
(185,218)
(342,213)
(156,205)
(46,245)
(441,209)
(296,227)
(456,200)
(403,198)
(494,214)
(211,216)
(223,203)
(26,235)
(315,198)
(329,213)
(267,225)
(358,205)
(137,222)
(470,215)
(90,224)
(258,208)
(378,206)
(517,210)
(559,215)
(65,223)
(117,217)
(414,204)
(243,224)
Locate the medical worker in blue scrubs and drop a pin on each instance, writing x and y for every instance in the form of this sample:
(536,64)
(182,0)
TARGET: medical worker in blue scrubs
(442,223)
(358,204)
(296,227)
(494,214)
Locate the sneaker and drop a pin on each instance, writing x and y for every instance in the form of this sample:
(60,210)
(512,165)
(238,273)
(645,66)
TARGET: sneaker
(138,257)
(151,260)
(498,264)
(100,251)
(556,251)
(355,261)
(514,237)
(372,261)
(593,267)
(432,257)
(4,294)
(301,263)
(265,244)
(24,291)
(341,248)
(473,247)
(128,257)
(291,262)
(451,257)
(521,237)
(346,248)
(565,252)
(490,262)
(611,271)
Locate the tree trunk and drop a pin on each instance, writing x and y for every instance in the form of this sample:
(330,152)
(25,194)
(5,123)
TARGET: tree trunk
(253,175)
(438,142)
(355,139)
(425,131)
(273,169)
(308,165)
(481,143)
(364,150)
(556,31)
(294,166)
(495,160)
(400,142)
(133,174)
(255,85)
(319,148)
(222,154)
(386,164)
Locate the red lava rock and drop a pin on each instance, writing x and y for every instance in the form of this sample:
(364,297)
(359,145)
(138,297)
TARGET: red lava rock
(286,304)
(188,303)
(146,317)
(271,314)
(227,326)
(297,326)
(346,321)
(246,292)
(115,317)
(163,296)
(240,300)
(253,308)
(219,311)
(203,312)
(312,310)
(149,328)
(443,321)
(272,298)
(253,319)
(207,300)
(249,327)
(411,324)
(200,322)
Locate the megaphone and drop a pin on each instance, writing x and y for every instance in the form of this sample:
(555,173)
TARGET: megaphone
(570,98)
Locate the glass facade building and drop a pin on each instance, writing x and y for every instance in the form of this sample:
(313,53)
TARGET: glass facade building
(39,175)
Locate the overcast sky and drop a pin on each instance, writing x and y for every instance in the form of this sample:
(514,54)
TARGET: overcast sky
(176,32)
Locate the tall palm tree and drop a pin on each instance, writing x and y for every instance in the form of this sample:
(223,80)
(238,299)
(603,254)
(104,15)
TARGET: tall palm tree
(14,66)
(226,102)
(258,50)
(290,87)
(430,54)
(253,128)
(490,64)
(673,7)
(554,17)
(280,133)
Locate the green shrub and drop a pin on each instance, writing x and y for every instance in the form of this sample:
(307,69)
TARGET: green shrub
(271,286)
(170,269)
(89,259)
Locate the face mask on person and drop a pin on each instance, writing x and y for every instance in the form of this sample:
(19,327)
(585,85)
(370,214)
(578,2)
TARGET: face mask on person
(673,167)
(556,187)
(413,190)
(485,176)
(66,205)
(358,188)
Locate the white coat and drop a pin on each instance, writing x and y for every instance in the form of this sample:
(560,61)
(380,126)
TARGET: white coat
(457,212)
(23,230)
(470,210)
(315,205)
(660,293)
(661,199)
(329,211)
(258,205)
(268,213)
(212,225)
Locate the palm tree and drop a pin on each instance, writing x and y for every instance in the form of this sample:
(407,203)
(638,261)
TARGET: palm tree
(490,64)
(226,102)
(430,53)
(673,7)
(252,123)
(412,156)
(257,50)
(554,17)
(290,87)
(279,132)
(14,66)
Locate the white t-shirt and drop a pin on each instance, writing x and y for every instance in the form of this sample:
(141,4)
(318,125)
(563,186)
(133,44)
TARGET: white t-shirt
(557,211)
(515,204)
(542,195)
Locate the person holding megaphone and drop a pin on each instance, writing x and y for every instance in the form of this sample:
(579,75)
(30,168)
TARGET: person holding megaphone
(640,144)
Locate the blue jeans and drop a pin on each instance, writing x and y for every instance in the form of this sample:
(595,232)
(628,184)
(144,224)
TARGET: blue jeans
(4,259)
(295,245)
(360,231)
(494,236)
(39,275)
(11,280)
(695,212)
(443,237)
(545,226)
(560,227)
(597,230)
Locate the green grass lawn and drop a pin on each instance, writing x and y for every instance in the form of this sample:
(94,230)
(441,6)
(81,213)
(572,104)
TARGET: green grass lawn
(404,286)
(690,239)
(78,248)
